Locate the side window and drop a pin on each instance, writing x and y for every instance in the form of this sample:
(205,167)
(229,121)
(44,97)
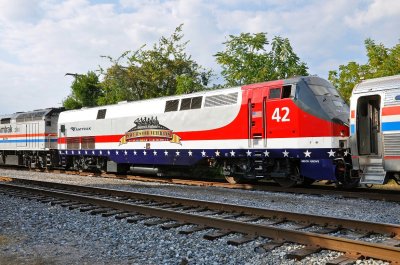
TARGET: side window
(5,121)
(48,123)
(101,114)
(171,105)
(274,93)
(185,104)
(191,103)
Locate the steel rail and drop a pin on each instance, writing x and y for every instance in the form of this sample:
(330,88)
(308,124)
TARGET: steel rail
(332,222)
(350,247)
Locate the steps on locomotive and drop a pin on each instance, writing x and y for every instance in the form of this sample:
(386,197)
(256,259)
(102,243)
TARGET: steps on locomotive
(258,164)
(374,172)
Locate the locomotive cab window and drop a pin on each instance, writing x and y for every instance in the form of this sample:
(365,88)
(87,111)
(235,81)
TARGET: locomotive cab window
(171,105)
(101,114)
(286,91)
(274,93)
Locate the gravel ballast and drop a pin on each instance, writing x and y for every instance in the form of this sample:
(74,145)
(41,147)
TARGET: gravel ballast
(37,233)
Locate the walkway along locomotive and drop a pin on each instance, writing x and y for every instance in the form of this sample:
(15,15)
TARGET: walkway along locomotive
(292,131)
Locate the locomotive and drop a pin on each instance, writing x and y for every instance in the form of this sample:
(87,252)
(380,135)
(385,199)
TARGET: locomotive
(293,131)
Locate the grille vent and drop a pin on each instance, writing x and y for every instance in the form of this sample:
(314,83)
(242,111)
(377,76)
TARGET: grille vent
(221,100)
(392,144)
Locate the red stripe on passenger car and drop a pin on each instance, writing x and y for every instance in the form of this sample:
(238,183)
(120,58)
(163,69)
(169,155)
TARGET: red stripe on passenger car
(391,111)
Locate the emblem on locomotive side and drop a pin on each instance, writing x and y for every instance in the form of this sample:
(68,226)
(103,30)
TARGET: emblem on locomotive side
(149,130)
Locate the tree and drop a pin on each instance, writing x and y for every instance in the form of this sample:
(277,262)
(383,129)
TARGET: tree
(382,61)
(86,90)
(246,60)
(164,70)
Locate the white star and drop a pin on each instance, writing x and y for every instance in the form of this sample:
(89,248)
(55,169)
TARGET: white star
(85,152)
(177,153)
(307,154)
(217,153)
(93,152)
(155,152)
(346,153)
(248,153)
(60,152)
(190,153)
(144,152)
(116,152)
(73,152)
(108,152)
(285,154)
(134,153)
(232,153)
(266,153)
(125,152)
(66,152)
(331,153)
(203,154)
(166,153)
(101,152)
(79,152)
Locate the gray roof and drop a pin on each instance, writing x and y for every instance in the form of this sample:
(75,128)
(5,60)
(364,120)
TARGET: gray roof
(378,84)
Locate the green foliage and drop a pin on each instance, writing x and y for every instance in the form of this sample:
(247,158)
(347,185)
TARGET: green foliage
(86,90)
(246,60)
(164,70)
(382,61)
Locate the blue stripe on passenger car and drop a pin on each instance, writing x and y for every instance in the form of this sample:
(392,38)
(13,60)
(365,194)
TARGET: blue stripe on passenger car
(391,126)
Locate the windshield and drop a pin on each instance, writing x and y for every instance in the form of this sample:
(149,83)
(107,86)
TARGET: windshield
(319,97)
(324,90)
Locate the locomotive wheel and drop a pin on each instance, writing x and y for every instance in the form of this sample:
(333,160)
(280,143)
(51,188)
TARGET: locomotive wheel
(233,179)
(292,180)
(285,182)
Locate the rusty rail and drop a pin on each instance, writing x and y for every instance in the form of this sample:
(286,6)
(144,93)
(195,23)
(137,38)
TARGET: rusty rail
(350,247)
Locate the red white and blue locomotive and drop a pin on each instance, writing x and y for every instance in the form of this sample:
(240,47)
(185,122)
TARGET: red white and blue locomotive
(292,131)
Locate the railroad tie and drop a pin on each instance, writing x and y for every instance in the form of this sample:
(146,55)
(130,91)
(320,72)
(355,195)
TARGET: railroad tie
(172,225)
(241,240)
(124,215)
(135,219)
(326,230)
(101,210)
(88,208)
(111,213)
(301,253)
(342,260)
(193,230)
(77,206)
(217,234)
(156,222)
(271,245)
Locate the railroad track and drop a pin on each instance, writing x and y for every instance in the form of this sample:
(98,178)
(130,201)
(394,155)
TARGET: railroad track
(392,195)
(314,232)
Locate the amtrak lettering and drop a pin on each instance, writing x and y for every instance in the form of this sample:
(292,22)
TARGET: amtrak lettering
(149,130)
(77,129)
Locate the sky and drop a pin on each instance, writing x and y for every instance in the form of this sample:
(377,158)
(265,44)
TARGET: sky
(41,40)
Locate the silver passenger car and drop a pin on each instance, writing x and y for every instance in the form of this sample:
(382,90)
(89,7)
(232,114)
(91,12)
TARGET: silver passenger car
(375,129)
